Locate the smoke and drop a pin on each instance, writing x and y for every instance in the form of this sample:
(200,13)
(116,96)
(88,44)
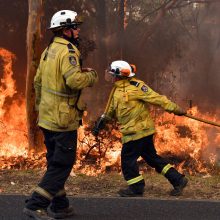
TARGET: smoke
(198,67)
(180,59)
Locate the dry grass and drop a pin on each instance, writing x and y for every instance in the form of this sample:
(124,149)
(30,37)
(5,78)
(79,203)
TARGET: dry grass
(106,185)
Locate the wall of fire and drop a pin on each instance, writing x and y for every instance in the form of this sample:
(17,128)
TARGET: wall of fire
(180,58)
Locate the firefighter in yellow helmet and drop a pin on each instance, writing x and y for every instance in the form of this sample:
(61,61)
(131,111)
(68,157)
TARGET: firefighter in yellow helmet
(128,103)
(58,84)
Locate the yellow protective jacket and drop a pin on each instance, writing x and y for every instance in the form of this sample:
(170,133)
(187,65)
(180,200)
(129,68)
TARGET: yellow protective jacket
(129,105)
(58,84)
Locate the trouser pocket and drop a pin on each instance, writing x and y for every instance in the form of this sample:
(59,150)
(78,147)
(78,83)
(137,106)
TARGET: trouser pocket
(65,147)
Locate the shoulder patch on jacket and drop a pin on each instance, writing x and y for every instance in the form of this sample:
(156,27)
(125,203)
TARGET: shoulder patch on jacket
(144,88)
(72,60)
(70,48)
(134,83)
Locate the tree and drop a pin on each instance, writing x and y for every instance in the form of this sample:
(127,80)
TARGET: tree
(33,57)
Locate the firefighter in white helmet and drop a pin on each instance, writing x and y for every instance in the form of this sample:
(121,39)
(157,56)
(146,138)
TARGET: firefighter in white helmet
(128,103)
(58,84)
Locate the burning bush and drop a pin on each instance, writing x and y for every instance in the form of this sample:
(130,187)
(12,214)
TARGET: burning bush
(188,144)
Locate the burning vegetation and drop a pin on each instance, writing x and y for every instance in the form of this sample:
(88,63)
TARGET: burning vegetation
(13,140)
(190,145)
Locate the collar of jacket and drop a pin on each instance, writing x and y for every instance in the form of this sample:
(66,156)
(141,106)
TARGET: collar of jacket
(123,82)
(61,40)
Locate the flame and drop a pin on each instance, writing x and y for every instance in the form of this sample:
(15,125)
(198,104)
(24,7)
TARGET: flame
(98,155)
(189,140)
(13,138)
(184,141)
(7,88)
(192,146)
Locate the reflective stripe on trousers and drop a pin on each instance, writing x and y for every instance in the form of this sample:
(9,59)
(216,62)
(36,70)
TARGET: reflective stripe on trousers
(43,193)
(165,169)
(135,180)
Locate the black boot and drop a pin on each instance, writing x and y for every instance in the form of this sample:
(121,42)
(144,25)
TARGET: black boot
(62,213)
(36,207)
(129,193)
(178,189)
(39,214)
(134,190)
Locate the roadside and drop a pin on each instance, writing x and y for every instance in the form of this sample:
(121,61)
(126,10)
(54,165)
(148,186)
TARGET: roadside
(106,185)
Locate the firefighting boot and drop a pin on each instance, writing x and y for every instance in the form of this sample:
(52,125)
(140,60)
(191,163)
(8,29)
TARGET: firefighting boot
(128,192)
(61,213)
(134,190)
(36,207)
(177,191)
(39,214)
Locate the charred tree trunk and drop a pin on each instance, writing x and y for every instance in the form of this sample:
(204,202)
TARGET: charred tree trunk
(101,55)
(121,21)
(33,57)
(101,34)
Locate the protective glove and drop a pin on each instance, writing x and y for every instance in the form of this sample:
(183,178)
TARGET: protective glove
(99,124)
(179,111)
(95,131)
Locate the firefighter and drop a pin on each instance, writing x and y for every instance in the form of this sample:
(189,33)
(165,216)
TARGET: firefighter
(128,103)
(58,84)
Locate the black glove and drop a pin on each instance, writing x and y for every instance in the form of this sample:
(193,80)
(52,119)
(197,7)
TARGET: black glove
(95,131)
(99,124)
(179,111)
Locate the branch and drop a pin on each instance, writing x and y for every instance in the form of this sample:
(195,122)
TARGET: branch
(196,1)
(161,13)
(202,1)
(183,25)
(155,10)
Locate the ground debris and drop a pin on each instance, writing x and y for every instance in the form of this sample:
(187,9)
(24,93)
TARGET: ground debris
(107,185)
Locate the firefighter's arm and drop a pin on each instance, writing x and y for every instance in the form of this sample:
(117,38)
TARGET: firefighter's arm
(148,95)
(73,75)
(37,87)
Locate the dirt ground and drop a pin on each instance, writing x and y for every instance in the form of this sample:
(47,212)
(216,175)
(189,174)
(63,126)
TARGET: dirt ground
(106,185)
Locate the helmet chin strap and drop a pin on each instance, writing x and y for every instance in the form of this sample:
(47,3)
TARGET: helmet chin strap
(72,39)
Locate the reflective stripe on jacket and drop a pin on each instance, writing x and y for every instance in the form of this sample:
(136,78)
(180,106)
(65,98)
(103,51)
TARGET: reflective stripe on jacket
(130,106)
(58,83)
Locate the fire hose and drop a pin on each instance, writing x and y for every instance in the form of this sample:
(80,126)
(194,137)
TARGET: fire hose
(100,123)
(202,120)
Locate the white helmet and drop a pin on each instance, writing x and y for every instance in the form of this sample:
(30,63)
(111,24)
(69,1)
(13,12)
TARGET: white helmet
(64,18)
(122,68)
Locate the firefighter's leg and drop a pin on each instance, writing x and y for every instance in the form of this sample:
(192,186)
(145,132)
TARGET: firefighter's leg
(58,172)
(40,198)
(129,155)
(50,145)
(36,206)
(62,163)
(160,164)
(59,168)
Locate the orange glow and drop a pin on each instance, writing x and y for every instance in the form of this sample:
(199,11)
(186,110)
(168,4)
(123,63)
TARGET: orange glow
(192,146)
(188,139)
(13,138)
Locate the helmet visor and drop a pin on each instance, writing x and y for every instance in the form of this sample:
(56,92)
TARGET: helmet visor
(109,76)
(73,26)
